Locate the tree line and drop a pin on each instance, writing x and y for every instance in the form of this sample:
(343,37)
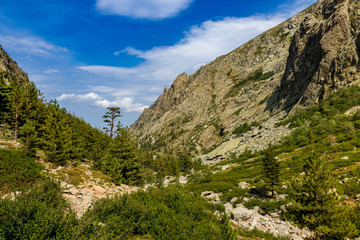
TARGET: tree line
(44,127)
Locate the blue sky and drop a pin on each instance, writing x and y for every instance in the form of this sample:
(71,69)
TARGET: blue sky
(91,54)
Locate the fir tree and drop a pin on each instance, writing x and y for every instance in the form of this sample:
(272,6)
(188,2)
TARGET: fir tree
(316,202)
(271,170)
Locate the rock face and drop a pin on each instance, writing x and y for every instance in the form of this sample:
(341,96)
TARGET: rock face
(297,63)
(324,54)
(10,70)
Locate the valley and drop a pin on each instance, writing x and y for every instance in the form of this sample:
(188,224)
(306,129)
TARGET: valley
(261,143)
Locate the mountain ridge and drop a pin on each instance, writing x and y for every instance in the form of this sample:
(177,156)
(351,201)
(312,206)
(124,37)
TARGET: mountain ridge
(257,80)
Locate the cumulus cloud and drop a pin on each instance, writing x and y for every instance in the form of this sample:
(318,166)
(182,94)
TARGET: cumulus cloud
(30,45)
(145,9)
(200,45)
(125,103)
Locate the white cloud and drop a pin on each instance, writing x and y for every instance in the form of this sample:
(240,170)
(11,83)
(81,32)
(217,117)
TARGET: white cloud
(200,45)
(145,9)
(125,103)
(109,71)
(293,7)
(51,71)
(30,45)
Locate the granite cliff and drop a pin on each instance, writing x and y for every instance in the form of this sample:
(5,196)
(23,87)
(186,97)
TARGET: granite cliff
(290,66)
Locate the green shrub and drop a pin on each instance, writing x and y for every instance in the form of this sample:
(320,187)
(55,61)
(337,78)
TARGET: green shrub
(342,147)
(37,214)
(243,128)
(17,170)
(169,213)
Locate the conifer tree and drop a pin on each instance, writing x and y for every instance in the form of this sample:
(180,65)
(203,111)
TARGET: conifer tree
(57,135)
(121,160)
(109,118)
(316,202)
(29,137)
(271,170)
(17,100)
(5,106)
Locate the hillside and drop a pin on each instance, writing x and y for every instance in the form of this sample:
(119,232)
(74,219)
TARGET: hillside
(10,70)
(295,64)
(295,87)
(63,179)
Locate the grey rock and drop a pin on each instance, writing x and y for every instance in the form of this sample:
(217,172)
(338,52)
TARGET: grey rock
(213,197)
(244,185)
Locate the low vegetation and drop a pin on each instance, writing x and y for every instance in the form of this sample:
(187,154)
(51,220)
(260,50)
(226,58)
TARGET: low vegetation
(159,213)
(323,189)
(256,76)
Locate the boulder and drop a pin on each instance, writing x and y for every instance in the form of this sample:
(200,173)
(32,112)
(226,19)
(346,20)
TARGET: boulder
(243,214)
(213,197)
(244,185)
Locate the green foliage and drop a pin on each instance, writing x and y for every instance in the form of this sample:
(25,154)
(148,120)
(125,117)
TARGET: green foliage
(271,169)
(109,118)
(169,213)
(316,202)
(120,160)
(29,137)
(37,214)
(243,128)
(258,75)
(17,170)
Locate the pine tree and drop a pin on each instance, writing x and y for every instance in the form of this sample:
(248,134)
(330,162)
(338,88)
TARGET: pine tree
(29,137)
(109,118)
(17,101)
(121,160)
(316,202)
(271,170)
(57,134)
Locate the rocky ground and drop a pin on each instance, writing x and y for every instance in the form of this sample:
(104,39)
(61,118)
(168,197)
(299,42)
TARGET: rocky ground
(252,218)
(256,139)
(82,186)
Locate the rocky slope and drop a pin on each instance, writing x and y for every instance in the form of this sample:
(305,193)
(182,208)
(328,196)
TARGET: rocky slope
(82,186)
(297,63)
(10,69)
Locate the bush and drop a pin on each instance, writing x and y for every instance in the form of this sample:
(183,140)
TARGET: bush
(169,213)
(37,214)
(17,170)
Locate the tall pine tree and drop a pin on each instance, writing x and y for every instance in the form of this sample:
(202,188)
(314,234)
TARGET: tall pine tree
(109,118)
(271,169)
(317,203)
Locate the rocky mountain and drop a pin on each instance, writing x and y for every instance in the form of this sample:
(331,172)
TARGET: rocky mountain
(10,70)
(292,65)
